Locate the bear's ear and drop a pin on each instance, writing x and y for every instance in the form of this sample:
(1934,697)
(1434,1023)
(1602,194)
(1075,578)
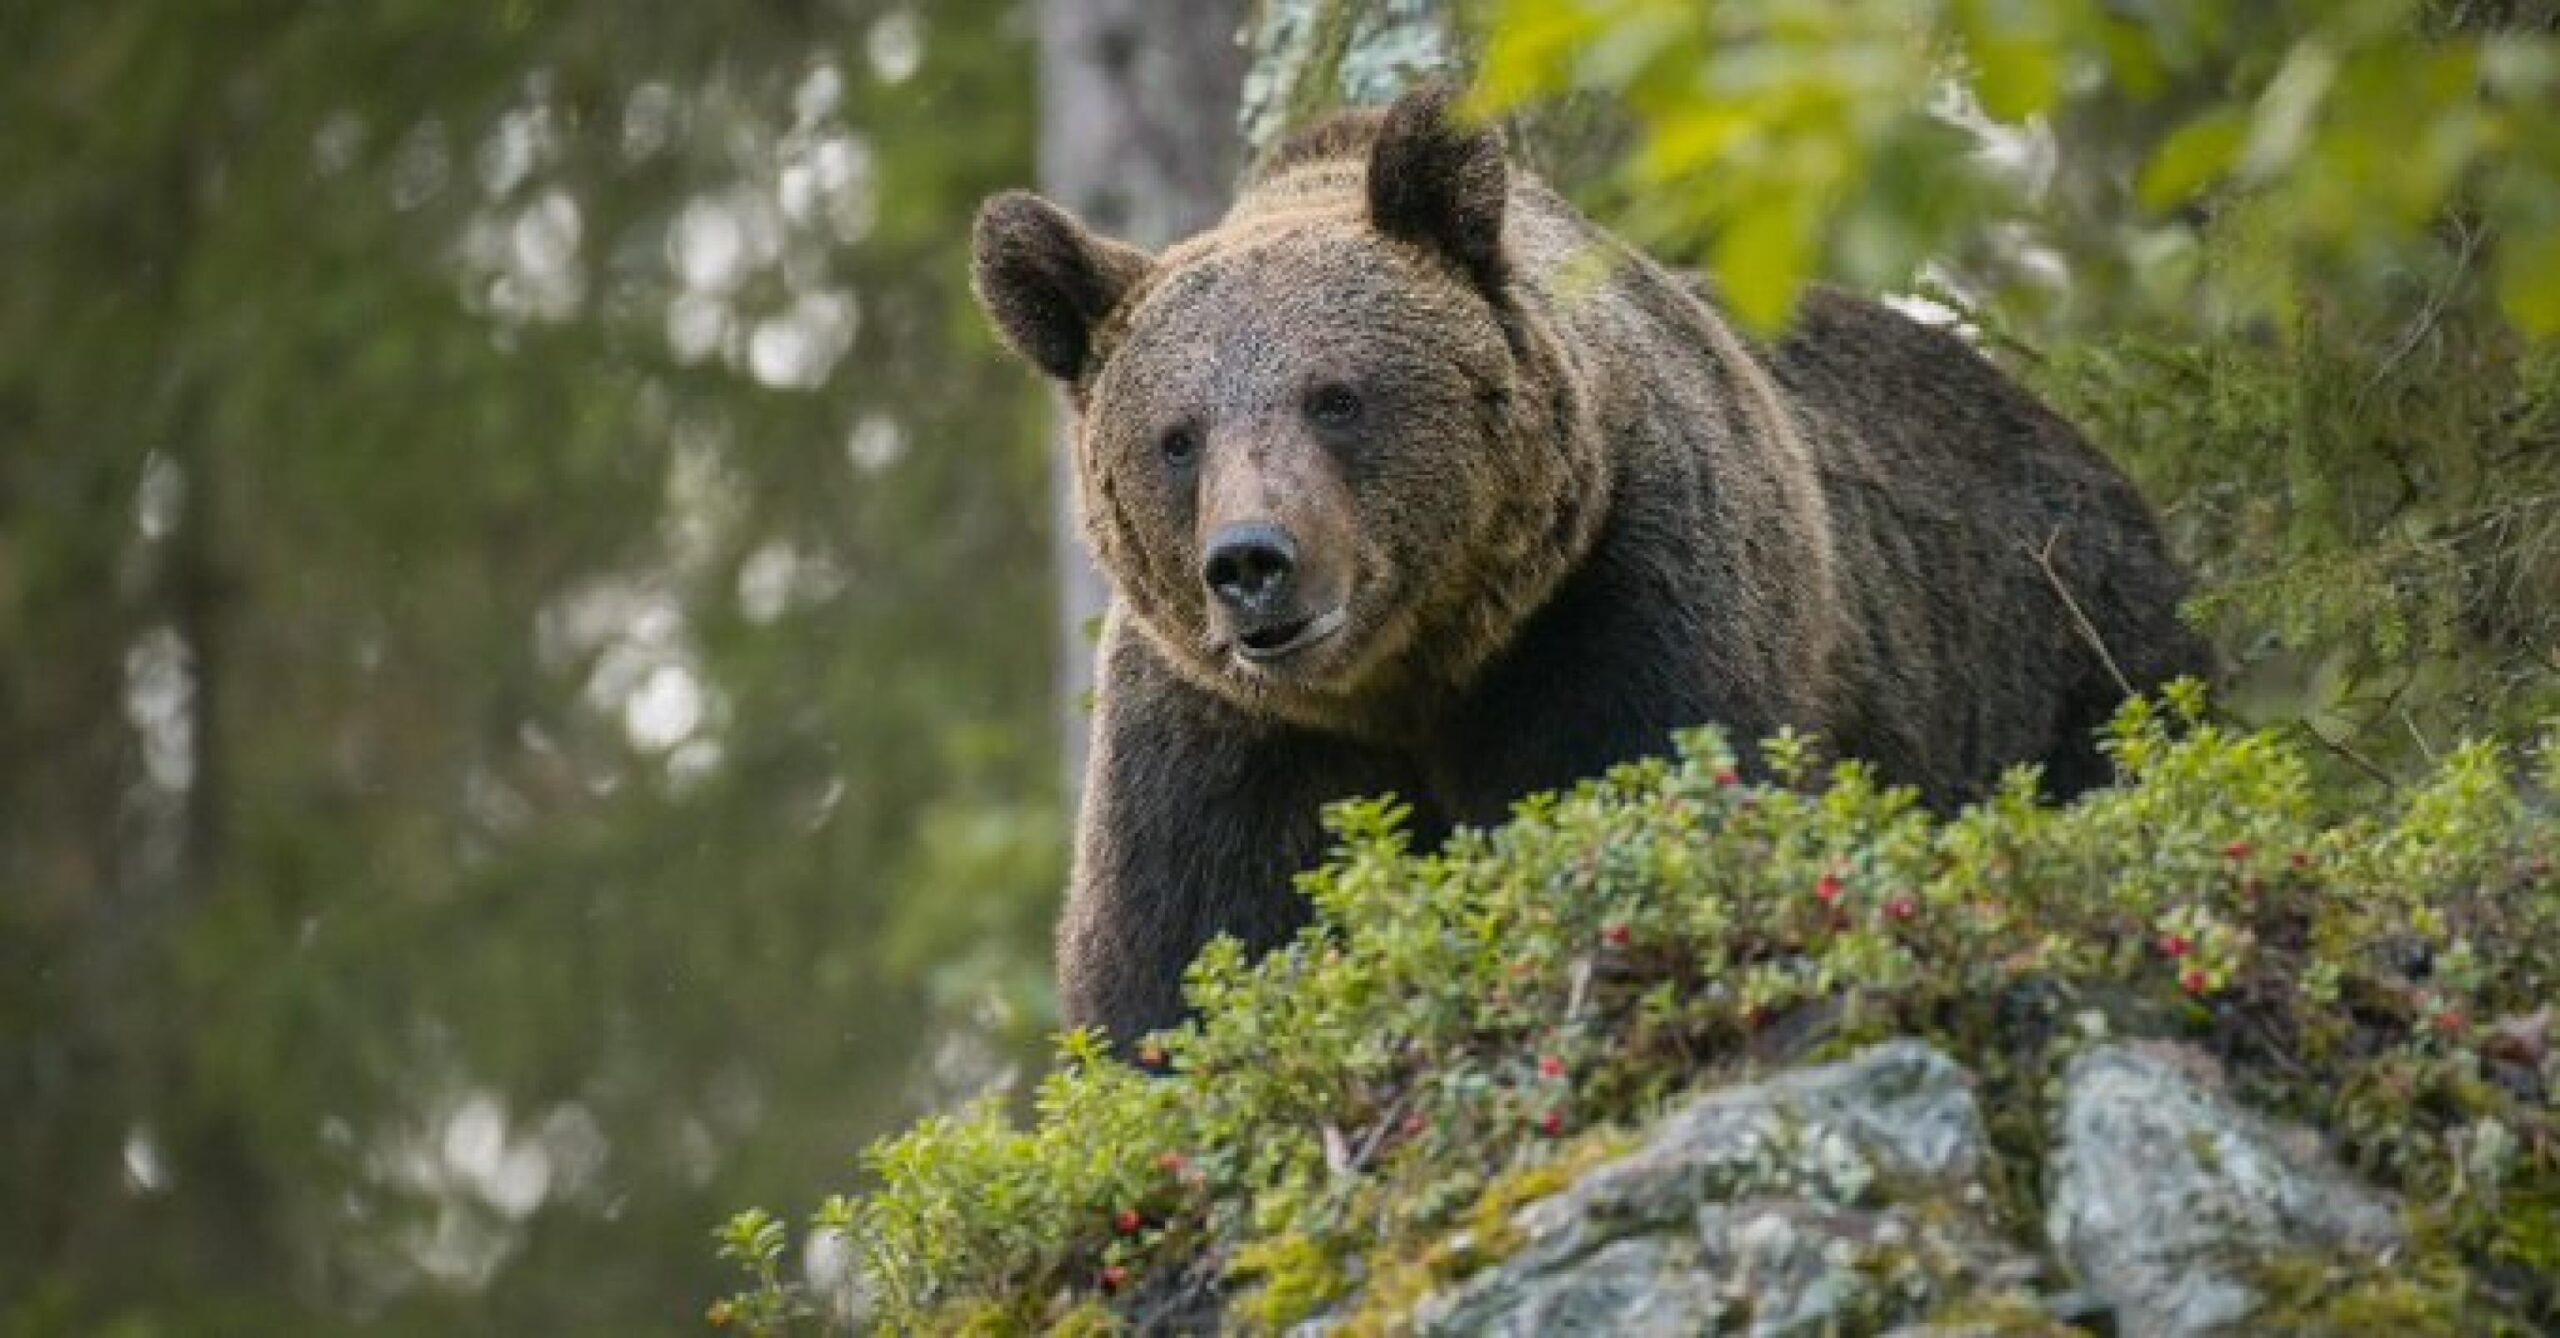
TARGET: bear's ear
(1046,281)
(1440,183)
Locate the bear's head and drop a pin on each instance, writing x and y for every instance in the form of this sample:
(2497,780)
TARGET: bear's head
(1326,459)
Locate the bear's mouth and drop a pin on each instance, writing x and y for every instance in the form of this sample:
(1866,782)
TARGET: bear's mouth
(1275,642)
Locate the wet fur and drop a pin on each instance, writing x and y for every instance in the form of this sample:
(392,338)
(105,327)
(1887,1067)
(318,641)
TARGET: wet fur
(1604,516)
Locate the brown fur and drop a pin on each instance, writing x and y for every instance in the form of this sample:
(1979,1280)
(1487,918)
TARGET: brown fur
(1571,512)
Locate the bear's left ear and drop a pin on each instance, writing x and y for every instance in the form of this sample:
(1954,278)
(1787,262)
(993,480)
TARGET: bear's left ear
(1440,183)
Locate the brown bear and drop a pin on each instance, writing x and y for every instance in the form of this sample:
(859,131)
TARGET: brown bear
(1412,480)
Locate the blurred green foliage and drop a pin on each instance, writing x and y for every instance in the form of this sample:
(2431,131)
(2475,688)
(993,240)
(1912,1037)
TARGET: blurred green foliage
(517,724)
(1822,136)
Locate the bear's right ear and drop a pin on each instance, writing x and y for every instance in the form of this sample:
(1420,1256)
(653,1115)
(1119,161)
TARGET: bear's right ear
(1046,281)
(1439,182)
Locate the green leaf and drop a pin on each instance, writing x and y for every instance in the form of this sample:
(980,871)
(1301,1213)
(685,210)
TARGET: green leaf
(2016,78)
(2289,107)
(2017,69)
(1532,46)
(2529,282)
(2199,154)
(1691,140)
(1762,261)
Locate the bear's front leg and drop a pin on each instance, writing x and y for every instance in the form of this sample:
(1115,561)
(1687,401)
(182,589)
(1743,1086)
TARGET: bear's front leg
(1197,820)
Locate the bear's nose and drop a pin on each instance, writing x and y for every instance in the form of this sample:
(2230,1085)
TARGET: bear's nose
(1250,568)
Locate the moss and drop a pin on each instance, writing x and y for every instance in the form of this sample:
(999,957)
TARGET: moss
(2420,1298)
(1493,1234)
(979,1318)
(1091,1319)
(2520,1236)
(1400,1280)
(2005,1315)
(1298,1276)
(1401,1271)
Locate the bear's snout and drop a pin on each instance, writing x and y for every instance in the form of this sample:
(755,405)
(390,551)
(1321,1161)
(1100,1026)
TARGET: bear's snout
(1278,533)
(1252,569)
(1253,572)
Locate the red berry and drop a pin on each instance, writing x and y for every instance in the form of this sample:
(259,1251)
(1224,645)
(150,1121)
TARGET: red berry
(1902,908)
(2301,861)
(1550,1068)
(1114,1278)
(2195,981)
(2452,1022)
(1829,889)
(1617,936)
(2176,945)
(1553,1125)
(1728,778)
(1128,1222)
(2238,851)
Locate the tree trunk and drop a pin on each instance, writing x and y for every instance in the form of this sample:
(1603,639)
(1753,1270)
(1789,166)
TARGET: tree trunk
(1313,56)
(1136,101)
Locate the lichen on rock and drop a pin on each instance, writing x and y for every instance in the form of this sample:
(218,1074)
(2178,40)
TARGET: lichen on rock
(2165,1194)
(1828,1197)
(1311,56)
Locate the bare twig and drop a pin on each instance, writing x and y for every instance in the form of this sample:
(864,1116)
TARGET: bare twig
(2363,763)
(2088,630)
(2430,313)
(1359,1160)
(1337,1149)
(2424,748)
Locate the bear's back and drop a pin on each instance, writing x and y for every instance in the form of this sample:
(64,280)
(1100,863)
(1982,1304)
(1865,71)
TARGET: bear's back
(2011,581)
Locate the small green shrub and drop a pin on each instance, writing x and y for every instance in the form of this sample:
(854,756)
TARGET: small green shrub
(1460,1024)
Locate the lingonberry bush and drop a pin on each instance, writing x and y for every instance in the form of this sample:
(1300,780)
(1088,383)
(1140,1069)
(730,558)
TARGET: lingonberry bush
(1355,1115)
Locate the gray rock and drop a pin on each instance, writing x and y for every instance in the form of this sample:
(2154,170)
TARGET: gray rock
(2163,1193)
(1761,1210)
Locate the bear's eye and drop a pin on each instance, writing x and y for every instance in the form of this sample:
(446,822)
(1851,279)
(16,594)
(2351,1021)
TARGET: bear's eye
(1333,406)
(1181,446)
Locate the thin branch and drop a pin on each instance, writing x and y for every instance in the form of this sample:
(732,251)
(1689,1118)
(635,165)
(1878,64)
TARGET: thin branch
(1358,1160)
(2342,749)
(2088,630)
(2424,748)
(2430,314)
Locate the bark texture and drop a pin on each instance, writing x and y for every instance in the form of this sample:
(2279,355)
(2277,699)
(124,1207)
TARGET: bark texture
(1137,108)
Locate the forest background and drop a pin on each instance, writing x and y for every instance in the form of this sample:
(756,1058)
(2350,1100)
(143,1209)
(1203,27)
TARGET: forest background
(539,673)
